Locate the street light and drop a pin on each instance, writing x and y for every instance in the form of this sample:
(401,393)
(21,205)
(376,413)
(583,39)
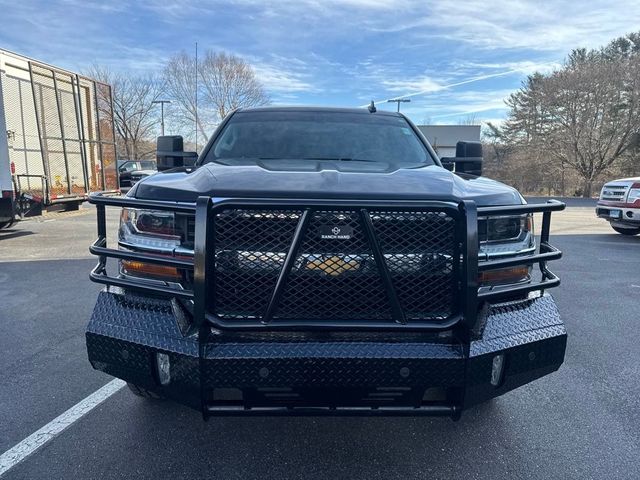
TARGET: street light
(399,101)
(162,102)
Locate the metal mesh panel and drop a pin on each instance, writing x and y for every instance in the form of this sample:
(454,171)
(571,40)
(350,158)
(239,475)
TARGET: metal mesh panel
(89,116)
(105,125)
(50,129)
(22,130)
(335,278)
(71,132)
(420,252)
(335,275)
(250,250)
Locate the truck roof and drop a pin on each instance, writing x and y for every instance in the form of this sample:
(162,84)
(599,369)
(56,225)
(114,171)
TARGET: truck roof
(363,110)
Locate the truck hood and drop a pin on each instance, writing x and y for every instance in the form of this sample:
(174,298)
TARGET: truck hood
(625,181)
(311,180)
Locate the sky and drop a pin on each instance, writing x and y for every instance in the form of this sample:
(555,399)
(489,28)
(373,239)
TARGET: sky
(454,59)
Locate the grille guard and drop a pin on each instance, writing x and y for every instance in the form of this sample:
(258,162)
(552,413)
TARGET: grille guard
(465,213)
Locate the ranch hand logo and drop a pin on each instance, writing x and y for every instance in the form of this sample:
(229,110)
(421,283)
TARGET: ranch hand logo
(328,232)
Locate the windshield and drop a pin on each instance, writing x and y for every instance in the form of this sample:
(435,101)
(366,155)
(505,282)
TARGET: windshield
(320,136)
(147,165)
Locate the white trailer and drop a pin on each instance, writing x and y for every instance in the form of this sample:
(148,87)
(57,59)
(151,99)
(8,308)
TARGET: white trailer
(60,143)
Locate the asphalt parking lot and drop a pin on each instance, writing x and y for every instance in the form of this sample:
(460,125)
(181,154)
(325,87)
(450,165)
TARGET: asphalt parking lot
(580,422)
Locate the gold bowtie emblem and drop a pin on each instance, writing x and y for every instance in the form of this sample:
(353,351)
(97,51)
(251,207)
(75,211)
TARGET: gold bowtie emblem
(333,266)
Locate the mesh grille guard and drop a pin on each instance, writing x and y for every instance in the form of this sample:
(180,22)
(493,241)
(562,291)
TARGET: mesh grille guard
(321,264)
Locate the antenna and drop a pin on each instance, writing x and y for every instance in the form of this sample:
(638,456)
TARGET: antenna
(399,101)
(372,107)
(196,97)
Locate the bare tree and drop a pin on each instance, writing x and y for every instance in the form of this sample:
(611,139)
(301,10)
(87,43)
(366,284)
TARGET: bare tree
(224,82)
(470,119)
(134,114)
(180,81)
(229,82)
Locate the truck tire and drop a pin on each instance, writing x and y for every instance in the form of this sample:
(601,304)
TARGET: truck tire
(72,206)
(144,393)
(627,231)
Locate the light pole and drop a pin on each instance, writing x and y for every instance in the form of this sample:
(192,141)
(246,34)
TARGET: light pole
(399,101)
(161,102)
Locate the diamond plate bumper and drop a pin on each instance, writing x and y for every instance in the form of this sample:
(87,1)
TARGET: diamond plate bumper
(369,373)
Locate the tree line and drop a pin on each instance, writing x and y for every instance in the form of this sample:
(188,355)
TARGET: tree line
(201,96)
(573,129)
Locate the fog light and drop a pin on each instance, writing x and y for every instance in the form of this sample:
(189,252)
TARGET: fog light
(164,368)
(496,370)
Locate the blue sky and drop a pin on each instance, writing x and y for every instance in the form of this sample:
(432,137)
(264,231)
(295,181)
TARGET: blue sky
(452,58)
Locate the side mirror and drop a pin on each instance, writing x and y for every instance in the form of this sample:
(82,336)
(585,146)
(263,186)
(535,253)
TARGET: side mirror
(170,153)
(468,159)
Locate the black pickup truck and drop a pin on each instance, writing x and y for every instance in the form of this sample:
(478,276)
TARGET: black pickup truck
(324,261)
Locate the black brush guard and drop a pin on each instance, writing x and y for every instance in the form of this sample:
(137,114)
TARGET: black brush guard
(462,321)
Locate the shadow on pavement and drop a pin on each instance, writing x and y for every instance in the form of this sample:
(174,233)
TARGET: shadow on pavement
(11,233)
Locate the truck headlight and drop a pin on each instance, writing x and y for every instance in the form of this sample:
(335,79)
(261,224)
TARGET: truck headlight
(504,228)
(149,229)
(634,193)
(152,231)
(505,236)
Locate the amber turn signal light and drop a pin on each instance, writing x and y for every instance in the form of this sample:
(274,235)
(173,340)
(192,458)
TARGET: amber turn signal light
(149,270)
(504,275)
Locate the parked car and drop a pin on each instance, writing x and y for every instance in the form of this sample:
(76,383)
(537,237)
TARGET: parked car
(132,171)
(323,261)
(619,204)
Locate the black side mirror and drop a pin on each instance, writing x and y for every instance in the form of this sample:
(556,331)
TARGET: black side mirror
(170,153)
(468,159)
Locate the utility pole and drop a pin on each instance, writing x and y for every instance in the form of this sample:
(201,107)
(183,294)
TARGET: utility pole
(162,102)
(399,101)
(196,92)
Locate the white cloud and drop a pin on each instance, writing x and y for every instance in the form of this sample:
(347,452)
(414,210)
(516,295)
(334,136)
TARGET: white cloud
(511,24)
(422,84)
(277,80)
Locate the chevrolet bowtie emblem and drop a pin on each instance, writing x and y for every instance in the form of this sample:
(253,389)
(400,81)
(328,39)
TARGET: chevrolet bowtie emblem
(333,266)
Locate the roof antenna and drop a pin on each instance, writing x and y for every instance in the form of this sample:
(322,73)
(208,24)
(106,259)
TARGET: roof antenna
(372,107)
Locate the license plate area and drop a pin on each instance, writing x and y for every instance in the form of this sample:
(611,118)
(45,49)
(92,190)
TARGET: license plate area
(615,213)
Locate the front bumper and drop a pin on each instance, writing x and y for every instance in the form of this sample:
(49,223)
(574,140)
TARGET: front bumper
(628,215)
(324,373)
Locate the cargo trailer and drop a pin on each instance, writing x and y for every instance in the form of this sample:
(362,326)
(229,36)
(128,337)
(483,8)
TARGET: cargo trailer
(60,139)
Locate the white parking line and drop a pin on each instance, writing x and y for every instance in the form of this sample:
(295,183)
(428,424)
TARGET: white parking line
(33,442)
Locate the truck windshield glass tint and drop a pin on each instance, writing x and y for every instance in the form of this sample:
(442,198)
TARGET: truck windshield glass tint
(319,136)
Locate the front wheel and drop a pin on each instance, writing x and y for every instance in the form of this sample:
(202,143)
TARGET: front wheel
(627,231)
(144,393)
(72,206)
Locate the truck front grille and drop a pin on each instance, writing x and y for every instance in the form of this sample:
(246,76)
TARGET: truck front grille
(614,193)
(335,275)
